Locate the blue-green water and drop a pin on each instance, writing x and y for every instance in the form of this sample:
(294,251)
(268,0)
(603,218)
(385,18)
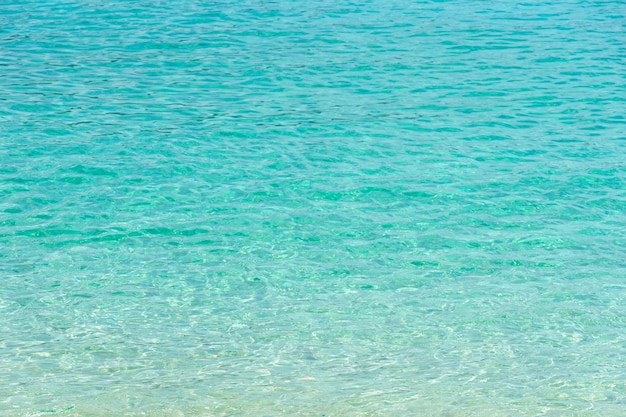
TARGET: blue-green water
(308,208)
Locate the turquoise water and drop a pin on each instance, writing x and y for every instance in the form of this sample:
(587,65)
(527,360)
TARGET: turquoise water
(328,208)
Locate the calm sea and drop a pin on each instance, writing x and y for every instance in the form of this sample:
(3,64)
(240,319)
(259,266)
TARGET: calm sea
(312,208)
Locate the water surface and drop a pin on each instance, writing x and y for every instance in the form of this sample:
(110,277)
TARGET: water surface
(290,208)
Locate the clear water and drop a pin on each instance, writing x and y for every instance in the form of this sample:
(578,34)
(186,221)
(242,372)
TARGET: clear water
(312,208)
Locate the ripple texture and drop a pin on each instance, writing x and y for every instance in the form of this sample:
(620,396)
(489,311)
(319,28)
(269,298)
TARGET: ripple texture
(291,208)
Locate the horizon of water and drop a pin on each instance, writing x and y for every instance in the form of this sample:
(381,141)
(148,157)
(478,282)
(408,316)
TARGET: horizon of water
(333,208)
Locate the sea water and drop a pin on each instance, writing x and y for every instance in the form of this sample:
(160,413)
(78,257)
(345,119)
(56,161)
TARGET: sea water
(312,208)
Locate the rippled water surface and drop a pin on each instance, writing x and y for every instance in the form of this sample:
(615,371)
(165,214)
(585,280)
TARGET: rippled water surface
(312,208)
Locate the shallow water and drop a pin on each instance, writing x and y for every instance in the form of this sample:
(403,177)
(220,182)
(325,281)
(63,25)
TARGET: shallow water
(298,208)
